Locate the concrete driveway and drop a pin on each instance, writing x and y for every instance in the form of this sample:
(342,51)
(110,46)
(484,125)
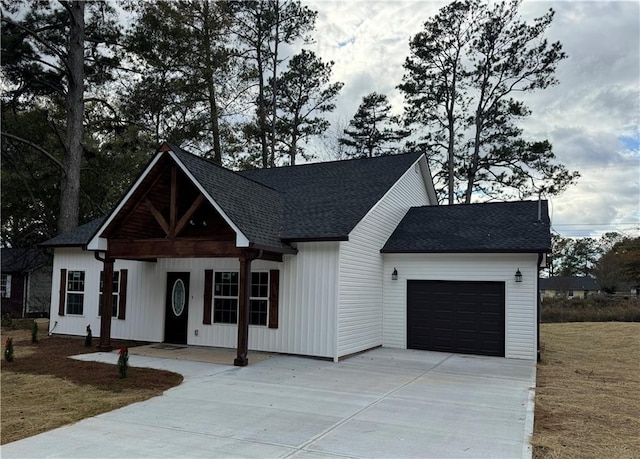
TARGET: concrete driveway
(385,403)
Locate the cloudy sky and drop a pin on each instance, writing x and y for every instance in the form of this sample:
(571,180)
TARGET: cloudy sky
(591,117)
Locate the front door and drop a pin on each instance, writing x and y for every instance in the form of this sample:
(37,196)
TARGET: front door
(177,308)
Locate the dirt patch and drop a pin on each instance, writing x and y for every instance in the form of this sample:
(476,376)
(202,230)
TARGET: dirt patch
(43,388)
(588,391)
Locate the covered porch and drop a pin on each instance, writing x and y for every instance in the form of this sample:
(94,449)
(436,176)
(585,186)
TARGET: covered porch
(172,213)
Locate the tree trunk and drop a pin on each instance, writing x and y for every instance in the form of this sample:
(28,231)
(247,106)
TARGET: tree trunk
(74,101)
(452,133)
(479,122)
(211,89)
(261,111)
(274,89)
(293,148)
(473,167)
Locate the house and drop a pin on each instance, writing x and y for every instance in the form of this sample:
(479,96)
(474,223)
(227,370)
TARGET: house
(324,259)
(568,286)
(25,282)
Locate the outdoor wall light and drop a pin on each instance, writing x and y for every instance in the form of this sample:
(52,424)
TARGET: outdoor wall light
(394,274)
(518,276)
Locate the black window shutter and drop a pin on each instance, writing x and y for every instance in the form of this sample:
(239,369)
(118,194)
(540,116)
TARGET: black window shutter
(122,301)
(63,291)
(274,286)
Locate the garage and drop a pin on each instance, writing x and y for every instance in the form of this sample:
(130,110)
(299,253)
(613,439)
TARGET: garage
(456,316)
(464,279)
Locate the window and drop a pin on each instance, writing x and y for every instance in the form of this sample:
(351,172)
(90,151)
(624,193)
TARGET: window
(570,294)
(75,292)
(5,286)
(259,298)
(225,298)
(114,293)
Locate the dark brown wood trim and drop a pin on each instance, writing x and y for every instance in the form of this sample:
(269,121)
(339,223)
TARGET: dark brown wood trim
(105,316)
(176,248)
(122,300)
(116,221)
(208,296)
(271,256)
(187,215)
(243,314)
(63,291)
(274,287)
(157,215)
(173,208)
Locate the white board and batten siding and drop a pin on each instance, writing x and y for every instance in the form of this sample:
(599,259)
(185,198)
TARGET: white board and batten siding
(520,297)
(307,303)
(361,264)
(145,299)
(306,309)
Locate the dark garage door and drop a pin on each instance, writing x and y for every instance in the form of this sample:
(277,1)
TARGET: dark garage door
(462,317)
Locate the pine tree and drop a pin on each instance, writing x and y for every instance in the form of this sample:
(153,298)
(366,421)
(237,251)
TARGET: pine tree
(373,131)
(461,77)
(305,93)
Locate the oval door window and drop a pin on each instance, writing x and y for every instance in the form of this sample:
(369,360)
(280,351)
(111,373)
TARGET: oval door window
(177,297)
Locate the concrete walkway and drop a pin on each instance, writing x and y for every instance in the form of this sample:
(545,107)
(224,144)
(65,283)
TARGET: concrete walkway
(385,403)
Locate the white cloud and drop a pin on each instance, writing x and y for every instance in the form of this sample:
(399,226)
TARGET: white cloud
(591,117)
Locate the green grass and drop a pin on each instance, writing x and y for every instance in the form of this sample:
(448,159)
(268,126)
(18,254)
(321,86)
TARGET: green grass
(596,308)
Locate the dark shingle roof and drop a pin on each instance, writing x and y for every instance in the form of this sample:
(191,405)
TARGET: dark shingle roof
(254,208)
(490,227)
(569,283)
(325,201)
(77,237)
(319,201)
(21,259)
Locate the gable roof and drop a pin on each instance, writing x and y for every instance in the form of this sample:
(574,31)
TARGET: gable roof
(254,208)
(569,283)
(21,259)
(272,207)
(464,228)
(325,201)
(79,236)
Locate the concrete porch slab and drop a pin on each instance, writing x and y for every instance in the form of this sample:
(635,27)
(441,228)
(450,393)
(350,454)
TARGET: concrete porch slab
(206,354)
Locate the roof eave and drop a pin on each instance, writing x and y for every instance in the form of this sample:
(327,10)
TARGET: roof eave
(267,248)
(536,250)
(341,238)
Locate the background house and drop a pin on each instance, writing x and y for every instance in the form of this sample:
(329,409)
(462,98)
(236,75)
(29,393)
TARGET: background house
(568,286)
(25,283)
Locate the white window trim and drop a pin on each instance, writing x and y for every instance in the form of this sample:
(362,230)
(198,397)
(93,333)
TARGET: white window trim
(7,286)
(223,297)
(75,292)
(261,298)
(237,298)
(116,294)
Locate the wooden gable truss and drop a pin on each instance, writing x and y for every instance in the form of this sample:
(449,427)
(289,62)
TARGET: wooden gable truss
(167,216)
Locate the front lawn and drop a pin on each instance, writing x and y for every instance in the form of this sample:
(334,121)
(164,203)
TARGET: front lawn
(43,389)
(588,391)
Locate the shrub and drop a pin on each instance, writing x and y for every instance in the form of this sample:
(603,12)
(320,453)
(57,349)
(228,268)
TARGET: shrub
(34,332)
(88,338)
(123,362)
(8,350)
(595,308)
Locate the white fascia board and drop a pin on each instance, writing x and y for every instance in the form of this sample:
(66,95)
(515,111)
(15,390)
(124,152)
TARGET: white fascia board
(99,243)
(412,167)
(241,239)
(428,180)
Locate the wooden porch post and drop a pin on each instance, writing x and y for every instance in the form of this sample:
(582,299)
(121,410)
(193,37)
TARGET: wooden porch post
(105,316)
(243,316)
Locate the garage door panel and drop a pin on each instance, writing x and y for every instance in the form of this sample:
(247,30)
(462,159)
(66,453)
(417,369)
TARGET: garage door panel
(463,317)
